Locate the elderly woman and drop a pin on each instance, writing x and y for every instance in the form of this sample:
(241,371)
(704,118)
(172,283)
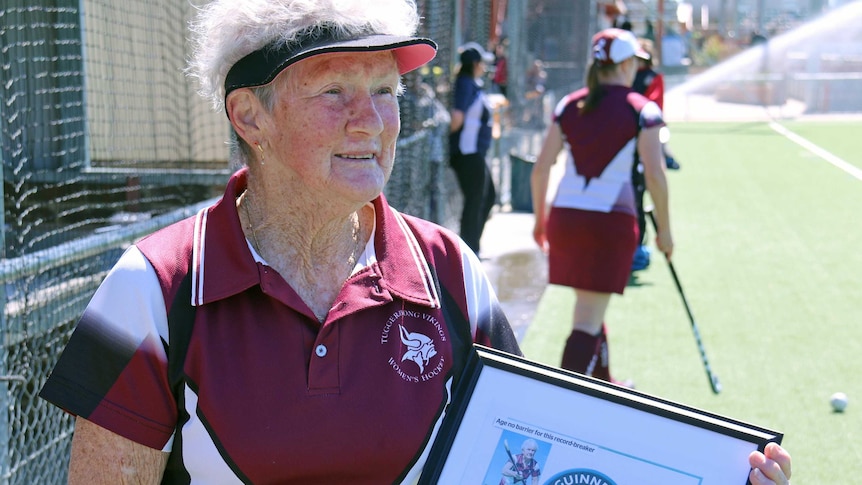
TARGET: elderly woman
(300,330)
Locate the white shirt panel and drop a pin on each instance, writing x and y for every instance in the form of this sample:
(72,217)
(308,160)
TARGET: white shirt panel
(603,192)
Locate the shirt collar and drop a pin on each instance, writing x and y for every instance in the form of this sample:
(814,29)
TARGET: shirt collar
(224,266)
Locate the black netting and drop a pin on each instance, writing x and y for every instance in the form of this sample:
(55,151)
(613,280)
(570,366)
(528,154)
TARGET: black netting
(421,183)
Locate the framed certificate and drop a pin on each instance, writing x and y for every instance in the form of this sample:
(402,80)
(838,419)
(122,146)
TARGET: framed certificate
(513,421)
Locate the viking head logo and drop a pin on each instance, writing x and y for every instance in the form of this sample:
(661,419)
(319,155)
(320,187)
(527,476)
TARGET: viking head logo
(419,348)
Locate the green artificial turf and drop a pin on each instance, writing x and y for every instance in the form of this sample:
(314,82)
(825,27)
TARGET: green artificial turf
(769,253)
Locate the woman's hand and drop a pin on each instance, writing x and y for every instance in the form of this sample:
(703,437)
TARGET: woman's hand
(771,467)
(664,242)
(539,235)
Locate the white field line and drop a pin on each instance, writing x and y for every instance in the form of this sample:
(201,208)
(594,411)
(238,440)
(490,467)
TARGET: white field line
(820,152)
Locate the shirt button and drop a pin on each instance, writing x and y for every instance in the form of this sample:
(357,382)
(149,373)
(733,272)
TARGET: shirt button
(320,350)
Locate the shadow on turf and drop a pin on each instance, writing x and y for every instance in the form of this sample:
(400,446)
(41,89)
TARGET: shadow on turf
(636,282)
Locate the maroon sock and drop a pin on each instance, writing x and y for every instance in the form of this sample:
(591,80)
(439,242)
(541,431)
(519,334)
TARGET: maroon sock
(580,351)
(603,366)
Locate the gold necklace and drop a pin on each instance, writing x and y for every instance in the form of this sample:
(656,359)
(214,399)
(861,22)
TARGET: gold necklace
(245,202)
(357,225)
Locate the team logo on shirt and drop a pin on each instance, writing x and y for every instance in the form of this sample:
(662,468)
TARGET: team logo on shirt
(420,348)
(414,335)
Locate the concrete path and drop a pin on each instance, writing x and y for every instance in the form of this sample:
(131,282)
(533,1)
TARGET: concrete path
(516,267)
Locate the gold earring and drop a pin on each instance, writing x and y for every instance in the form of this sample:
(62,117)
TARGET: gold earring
(260,149)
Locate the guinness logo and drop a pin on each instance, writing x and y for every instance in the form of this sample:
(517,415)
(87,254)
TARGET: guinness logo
(581,476)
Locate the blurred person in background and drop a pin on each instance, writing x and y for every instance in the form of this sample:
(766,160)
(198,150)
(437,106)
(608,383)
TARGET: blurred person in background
(274,335)
(501,67)
(590,231)
(674,51)
(535,81)
(470,137)
(612,13)
(649,83)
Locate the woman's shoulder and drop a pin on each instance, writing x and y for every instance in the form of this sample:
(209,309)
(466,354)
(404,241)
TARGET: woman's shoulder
(169,240)
(169,251)
(439,244)
(466,83)
(429,233)
(570,100)
(639,102)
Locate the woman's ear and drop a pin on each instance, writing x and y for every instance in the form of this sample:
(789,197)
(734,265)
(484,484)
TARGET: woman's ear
(246,114)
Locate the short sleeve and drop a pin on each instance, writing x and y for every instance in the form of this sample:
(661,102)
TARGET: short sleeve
(651,116)
(465,93)
(113,371)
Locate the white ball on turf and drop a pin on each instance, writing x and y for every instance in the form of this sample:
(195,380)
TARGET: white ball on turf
(838,401)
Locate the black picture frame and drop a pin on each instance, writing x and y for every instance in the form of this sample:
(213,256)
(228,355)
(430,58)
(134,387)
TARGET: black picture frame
(580,425)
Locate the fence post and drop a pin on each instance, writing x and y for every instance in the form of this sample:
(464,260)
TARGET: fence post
(4,385)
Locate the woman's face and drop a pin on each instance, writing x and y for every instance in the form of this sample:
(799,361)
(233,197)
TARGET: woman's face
(479,69)
(335,123)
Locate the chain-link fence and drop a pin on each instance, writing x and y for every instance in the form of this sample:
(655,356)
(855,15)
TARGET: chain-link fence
(546,45)
(103,141)
(421,183)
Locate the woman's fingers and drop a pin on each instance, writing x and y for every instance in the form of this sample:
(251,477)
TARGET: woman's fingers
(771,467)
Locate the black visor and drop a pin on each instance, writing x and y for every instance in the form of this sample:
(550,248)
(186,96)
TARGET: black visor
(263,65)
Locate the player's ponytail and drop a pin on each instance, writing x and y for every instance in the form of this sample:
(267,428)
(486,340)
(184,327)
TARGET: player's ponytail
(594,91)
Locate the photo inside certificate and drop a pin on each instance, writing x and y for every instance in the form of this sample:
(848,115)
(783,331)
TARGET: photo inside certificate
(513,421)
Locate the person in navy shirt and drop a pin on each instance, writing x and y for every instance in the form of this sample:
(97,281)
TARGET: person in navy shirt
(469,140)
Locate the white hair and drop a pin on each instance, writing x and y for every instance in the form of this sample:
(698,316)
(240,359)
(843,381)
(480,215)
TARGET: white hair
(225,31)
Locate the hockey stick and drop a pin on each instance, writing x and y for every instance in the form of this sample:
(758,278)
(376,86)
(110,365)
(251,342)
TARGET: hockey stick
(713,379)
(513,480)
